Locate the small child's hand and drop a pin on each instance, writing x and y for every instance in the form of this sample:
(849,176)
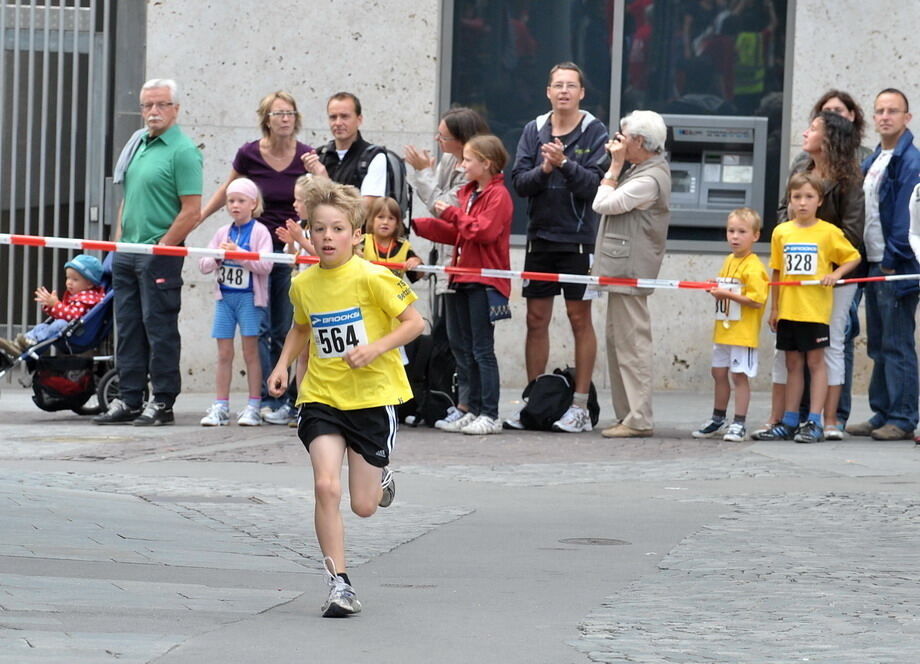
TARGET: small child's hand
(228,246)
(46,297)
(283,234)
(413,262)
(361,356)
(719,293)
(439,207)
(277,382)
(829,280)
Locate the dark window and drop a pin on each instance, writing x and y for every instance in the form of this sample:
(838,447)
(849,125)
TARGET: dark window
(709,57)
(503,51)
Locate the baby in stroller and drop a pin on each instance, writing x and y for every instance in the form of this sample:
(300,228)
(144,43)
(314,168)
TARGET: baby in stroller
(84,290)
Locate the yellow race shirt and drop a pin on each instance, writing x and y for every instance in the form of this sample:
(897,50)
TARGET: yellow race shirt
(347,306)
(735,324)
(804,254)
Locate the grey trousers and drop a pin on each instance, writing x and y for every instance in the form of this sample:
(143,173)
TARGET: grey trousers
(629,359)
(148,296)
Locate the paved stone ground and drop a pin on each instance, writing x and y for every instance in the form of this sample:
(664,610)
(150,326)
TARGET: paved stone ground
(193,545)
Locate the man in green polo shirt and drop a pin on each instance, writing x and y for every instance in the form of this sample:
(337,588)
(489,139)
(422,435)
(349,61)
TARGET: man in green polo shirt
(163,183)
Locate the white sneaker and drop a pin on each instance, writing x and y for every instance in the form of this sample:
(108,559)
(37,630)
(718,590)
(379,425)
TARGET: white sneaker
(453,414)
(283,415)
(514,422)
(575,420)
(217,416)
(482,425)
(458,424)
(342,600)
(249,417)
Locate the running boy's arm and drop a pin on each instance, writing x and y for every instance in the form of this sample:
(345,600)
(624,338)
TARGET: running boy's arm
(411,324)
(294,343)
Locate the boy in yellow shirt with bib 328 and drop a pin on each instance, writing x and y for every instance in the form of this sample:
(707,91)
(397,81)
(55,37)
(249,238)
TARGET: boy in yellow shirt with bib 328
(346,307)
(740,296)
(805,248)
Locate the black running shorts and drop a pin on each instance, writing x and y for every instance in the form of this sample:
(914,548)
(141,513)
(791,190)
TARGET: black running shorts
(371,432)
(801,336)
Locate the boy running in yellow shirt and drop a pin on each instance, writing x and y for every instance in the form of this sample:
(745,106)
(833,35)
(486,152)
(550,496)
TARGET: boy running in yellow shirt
(354,377)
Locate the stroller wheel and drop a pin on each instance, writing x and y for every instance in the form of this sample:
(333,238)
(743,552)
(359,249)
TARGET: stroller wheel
(108,390)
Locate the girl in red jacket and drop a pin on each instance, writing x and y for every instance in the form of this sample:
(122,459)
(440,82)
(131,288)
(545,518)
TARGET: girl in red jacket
(479,228)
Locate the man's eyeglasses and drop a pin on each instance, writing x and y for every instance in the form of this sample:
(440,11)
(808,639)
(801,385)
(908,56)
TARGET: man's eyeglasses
(282,114)
(564,86)
(159,105)
(889,111)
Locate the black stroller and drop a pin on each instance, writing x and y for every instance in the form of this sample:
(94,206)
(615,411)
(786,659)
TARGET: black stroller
(82,365)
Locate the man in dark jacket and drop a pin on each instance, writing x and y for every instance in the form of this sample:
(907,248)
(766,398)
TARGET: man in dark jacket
(556,168)
(891,173)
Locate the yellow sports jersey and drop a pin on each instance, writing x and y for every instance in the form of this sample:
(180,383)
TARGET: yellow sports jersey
(399,253)
(805,254)
(347,306)
(735,324)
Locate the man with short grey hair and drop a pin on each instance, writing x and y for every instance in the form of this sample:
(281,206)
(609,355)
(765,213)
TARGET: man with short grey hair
(162,204)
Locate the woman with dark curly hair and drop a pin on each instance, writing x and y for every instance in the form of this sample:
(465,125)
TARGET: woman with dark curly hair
(831,143)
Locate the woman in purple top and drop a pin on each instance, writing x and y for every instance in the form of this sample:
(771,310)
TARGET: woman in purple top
(274,162)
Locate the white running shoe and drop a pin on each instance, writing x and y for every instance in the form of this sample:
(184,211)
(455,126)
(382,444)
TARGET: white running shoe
(217,416)
(342,600)
(388,484)
(736,433)
(514,422)
(453,414)
(458,424)
(575,420)
(482,425)
(249,417)
(283,415)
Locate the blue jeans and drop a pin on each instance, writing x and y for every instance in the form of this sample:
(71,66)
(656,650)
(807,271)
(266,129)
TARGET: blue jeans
(890,327)
(844,406)
(472,341)
(275,325)
(44,331)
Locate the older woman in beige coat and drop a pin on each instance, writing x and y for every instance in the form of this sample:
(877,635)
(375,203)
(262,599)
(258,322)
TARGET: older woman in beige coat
(630,243)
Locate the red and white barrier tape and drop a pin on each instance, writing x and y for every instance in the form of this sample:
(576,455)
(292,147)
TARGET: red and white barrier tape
(290,259)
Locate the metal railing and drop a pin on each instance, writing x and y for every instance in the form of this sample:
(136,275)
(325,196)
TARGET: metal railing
(55,103)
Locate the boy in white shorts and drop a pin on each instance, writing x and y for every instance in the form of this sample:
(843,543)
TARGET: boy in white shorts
(740,294)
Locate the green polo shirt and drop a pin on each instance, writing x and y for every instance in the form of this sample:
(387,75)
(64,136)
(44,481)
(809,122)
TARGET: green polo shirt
(162,169)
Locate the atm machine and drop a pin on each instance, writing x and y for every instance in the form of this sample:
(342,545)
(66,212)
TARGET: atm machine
(718,163)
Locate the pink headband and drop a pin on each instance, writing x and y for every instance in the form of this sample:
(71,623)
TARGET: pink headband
(244,186)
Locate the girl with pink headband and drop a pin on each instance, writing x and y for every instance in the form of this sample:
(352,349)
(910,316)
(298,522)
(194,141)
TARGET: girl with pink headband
(241,290)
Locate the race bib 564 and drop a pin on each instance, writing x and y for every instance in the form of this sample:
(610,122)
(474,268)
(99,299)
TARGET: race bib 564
(335,332)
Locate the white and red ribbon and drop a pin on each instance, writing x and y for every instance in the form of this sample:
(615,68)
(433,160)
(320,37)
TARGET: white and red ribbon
(291,259)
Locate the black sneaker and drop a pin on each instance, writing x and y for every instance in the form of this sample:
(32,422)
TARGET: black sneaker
(809,432)
(388,483)
(118,413)
(778,431)
(156,414)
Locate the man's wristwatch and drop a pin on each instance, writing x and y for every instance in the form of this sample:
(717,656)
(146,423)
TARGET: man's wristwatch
(564,161)
(610,176)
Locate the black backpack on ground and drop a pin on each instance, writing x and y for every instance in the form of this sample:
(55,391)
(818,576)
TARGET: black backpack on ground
(432,375)
(549,396)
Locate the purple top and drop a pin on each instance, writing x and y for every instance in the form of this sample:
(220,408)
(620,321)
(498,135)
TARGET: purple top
(277,187)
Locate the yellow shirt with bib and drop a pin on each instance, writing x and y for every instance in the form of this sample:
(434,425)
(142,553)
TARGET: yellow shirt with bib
(736,324)
(346,306)
(804,254)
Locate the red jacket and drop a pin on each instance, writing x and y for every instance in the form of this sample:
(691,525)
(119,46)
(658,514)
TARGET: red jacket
(74,306)
(480,236)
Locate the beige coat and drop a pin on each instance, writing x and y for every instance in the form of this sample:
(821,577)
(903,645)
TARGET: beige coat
(632,244)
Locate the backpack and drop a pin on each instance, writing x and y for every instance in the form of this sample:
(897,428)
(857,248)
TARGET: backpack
(432,375)
(397,185)
(549,396)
